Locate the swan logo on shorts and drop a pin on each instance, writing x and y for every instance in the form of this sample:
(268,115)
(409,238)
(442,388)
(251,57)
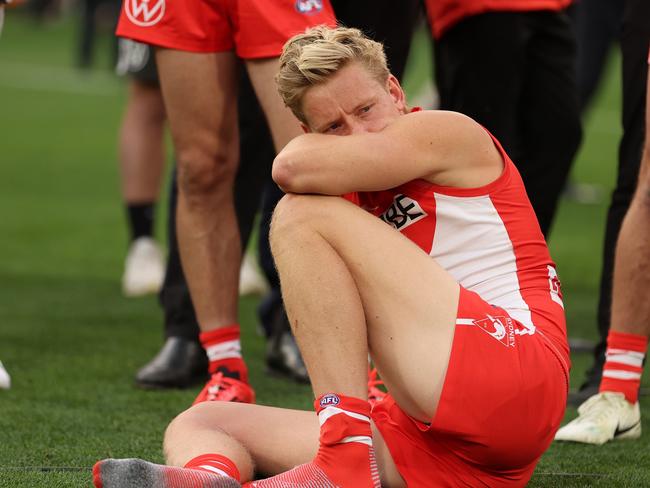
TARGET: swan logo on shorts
(309,7)
(144,13)
(329,400)
(501,328)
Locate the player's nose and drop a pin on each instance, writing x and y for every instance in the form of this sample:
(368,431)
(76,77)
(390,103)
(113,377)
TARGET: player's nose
(357,127)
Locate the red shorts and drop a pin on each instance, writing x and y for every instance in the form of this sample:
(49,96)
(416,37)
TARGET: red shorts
(254,28)
(503,398)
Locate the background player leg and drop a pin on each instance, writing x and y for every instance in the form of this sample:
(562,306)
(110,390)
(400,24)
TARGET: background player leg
(142,162)
(614,412)
(284,126)
(635,33)
(204,128)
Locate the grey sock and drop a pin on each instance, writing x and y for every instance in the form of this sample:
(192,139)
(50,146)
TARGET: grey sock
(130,473)
(137,473)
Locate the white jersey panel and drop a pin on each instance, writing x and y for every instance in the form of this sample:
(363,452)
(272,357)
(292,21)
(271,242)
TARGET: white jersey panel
(479,256)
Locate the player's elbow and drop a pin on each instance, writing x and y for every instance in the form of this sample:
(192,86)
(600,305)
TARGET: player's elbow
(284,173)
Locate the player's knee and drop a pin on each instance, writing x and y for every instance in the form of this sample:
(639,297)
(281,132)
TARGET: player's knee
(175,432)
(184,428)
(202,172)
(293,213)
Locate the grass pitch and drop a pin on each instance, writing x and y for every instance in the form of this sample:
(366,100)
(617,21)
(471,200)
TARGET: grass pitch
(72,343)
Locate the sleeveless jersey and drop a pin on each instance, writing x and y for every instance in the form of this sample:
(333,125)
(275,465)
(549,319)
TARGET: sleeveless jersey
(487,238)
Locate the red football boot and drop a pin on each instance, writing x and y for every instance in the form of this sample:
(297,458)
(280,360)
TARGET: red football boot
(225,389)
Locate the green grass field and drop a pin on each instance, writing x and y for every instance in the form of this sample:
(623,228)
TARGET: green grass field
(72,343)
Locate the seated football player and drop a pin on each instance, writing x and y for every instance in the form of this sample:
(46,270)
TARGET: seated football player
(432,262)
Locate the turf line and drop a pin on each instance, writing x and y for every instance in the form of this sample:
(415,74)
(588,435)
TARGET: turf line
(45,468)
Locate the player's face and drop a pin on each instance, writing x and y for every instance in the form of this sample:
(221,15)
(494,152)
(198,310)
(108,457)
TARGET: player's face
(352,102)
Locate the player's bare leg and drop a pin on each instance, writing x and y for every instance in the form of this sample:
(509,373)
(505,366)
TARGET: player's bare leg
(284,126)
(141,151)
(351,285)
(275,442)
(200,92)
(614,412)
(630,307)
(141,143)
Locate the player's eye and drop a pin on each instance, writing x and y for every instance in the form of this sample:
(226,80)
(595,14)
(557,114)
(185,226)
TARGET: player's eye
(333,127)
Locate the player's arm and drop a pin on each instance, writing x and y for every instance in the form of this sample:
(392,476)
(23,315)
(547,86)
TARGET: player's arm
(446,148)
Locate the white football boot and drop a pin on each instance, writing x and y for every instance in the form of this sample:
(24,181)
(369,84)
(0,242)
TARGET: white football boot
(5,380)
(251,280)
(144,268)
(603,417)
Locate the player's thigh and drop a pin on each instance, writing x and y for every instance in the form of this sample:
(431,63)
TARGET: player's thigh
(409,300)
(200,93)
(284,126)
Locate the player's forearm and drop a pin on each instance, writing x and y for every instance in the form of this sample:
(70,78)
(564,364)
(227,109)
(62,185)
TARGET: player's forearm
(335,165)
(312,163)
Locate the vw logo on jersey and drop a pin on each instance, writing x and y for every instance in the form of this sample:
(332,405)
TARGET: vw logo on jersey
(309,7)
(329,400)
(144,13)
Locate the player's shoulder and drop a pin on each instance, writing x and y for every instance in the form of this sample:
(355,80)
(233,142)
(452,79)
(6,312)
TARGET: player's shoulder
(445,123)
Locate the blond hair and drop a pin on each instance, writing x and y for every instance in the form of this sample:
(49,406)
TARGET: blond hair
(310,58)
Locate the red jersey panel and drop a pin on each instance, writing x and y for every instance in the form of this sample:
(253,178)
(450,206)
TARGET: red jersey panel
(443,14)
(254,28)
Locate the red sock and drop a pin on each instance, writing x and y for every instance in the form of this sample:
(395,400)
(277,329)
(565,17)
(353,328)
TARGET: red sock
(624,364)
(224,352)
(345,458)
(346,453)
(214,463)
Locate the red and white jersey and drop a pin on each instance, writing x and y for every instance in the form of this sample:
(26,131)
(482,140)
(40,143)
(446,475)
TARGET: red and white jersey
(487,238)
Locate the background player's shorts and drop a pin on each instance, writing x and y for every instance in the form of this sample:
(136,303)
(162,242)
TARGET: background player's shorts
(254,28)
(136,60)
(503,398)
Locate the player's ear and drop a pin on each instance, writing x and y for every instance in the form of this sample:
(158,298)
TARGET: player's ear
(305,128)
(396,92)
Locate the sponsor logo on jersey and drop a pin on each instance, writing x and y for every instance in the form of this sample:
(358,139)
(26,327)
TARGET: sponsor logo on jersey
(309,7)
(500,327)
(403,212)
(329,400)
(144,13)
(554,286)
